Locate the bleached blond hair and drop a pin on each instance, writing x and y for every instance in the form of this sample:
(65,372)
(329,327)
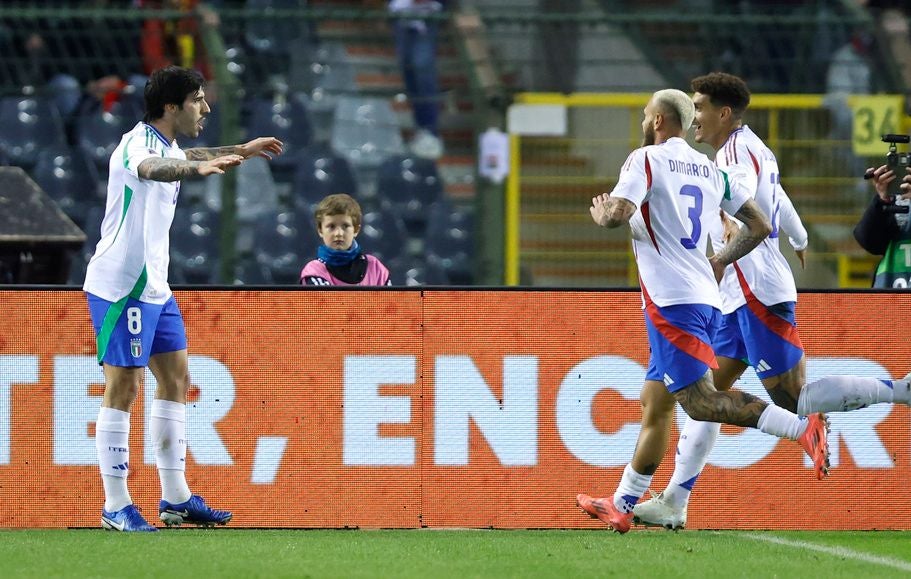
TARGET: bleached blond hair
(677,103)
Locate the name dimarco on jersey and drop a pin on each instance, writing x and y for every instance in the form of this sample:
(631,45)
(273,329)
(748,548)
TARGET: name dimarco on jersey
(687,168)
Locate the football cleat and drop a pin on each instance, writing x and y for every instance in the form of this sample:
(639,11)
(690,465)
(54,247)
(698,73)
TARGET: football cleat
(128,519)
(814,441)
(194,512)
(658,512)
(605,511)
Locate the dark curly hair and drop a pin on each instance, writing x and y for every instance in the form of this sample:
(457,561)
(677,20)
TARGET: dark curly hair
(725,90)
(169,86)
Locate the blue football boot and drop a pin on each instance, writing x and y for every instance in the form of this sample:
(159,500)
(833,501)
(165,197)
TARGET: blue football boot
(194,511)
(128,519)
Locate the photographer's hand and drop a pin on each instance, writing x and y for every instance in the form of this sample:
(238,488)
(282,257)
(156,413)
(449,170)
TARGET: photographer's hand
(906,184)
(882,176)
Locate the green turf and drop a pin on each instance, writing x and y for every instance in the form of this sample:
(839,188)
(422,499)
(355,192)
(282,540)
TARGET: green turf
(457,554)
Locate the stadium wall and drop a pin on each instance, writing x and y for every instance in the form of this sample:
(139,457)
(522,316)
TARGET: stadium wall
(431,408)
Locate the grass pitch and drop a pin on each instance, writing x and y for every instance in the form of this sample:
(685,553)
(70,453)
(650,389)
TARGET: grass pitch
(460,554)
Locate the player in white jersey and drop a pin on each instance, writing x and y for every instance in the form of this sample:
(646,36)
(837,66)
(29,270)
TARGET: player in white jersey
(669,194)
(758,292)
(136,320)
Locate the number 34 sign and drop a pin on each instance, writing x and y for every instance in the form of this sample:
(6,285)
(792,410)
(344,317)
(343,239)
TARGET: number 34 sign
(874,116)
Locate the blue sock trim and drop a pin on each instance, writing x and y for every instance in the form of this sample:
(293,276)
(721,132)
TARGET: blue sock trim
(688,485)
(630,501)
(888,383)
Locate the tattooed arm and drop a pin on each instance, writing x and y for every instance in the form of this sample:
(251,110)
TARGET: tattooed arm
(757,228)
(161,169)
(610,211)
(209,153)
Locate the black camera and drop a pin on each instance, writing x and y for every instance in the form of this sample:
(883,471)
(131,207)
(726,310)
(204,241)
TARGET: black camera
(897,162)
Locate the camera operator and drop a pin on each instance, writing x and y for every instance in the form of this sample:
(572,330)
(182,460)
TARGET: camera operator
(885,228)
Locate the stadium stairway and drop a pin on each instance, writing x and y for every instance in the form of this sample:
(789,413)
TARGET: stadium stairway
(370,48)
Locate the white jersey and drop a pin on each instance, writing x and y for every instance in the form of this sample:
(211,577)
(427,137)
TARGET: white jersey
(765,270)
(678,191)
(131,259)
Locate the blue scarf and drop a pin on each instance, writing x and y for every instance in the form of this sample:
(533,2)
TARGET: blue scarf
(337,257)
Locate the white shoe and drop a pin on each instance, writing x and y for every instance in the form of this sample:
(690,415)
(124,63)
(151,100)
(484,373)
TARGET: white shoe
(658,512)
(427,145)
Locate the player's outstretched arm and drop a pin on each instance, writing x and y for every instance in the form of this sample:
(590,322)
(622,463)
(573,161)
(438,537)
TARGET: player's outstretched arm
(267,147)
(757,228)
(160,169)
(610,211)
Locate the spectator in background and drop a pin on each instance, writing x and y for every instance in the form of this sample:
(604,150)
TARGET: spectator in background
(416,46)
(884,231)
(849,73)
(340,260)
(178,42)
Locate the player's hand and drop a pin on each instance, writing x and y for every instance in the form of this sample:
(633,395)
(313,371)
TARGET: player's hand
(802,256)
(218,165)
(599,208)
(730,226)
(717,267)
(266,147)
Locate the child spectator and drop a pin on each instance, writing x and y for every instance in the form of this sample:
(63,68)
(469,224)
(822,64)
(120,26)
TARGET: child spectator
(340,260)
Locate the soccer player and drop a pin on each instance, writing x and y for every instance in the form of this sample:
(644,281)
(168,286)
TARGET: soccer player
(340,260)
(669,194)
(758,293)
(136,320)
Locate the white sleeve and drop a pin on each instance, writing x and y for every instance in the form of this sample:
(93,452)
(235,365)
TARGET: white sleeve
(736,191)
(738,162)
(635,178)
(789,220)
(135,152)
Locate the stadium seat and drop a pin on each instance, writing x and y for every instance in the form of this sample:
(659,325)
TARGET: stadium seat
(450,241)
(283,118)
(70,180)
(382,234)
(98,133)
(411,185)
(284,243)
(194,246)
(270,40)
(329,75)
(365,131)
(411,271)
(248,271)
(256,191)
(27,126)
(66,91)
(320,173)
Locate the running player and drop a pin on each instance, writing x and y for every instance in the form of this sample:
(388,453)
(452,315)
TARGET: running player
(669,193)
(758,292)
(136,320)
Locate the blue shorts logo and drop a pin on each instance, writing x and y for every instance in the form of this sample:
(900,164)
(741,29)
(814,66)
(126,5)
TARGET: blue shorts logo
(136,347)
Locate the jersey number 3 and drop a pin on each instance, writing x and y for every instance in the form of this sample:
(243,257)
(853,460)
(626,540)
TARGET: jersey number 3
(694,213)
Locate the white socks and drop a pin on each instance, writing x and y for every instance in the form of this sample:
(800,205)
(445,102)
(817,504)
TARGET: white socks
(632,486)
(844,393)
(168,433)
(112,441)
(696,442)
(779,422)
